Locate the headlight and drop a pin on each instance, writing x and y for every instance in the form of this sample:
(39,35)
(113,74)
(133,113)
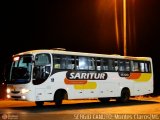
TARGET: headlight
(23,97)
(8,96)
(8,90)
(24,90)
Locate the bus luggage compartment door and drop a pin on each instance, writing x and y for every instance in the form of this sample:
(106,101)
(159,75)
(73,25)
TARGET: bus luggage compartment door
(40,94)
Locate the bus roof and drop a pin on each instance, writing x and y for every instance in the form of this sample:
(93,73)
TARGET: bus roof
(82,54)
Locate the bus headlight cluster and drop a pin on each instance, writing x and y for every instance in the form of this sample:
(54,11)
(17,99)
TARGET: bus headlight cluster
(8,90)
(24,90)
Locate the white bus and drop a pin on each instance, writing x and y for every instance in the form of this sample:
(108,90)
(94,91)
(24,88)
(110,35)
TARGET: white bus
(54,75)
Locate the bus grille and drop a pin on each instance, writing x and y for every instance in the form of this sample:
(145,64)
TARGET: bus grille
(16,97)
(15,92)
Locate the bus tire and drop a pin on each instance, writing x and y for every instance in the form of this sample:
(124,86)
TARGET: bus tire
(104,100)
(59,96)
(125,95)
(39,103)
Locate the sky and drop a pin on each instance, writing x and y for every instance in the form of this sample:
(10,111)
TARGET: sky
(94,26)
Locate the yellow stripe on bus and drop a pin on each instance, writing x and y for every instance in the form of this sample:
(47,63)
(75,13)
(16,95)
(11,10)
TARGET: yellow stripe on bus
(144,77)
(89,85)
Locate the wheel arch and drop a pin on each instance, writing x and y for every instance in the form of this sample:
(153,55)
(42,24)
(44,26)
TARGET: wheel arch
(126,88)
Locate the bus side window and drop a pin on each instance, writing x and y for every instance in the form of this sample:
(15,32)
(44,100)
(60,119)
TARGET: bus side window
(105,64)
(63,62)
(115,65)
(70,62)
(98,63)
(73,62)
(135,66)
(147,67)
(42,59)
(127,65)
(57,61)
(142,68)
(124,65)
(91,63)
(83,63)
(111,64)
(77,63)
(121,66)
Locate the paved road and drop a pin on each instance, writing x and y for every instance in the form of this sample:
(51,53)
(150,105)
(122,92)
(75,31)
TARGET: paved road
(82,109)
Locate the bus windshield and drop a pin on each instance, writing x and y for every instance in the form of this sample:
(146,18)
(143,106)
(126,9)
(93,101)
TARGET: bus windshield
(21,69)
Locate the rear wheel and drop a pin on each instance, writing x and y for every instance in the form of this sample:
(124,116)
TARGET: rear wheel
(125,95)
(39,103)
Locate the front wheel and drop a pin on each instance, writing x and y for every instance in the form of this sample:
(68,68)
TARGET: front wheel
(104,100)
(39,103)
(59,96)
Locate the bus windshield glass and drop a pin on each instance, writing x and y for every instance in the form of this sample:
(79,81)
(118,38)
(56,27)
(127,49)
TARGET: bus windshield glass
(21,69)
